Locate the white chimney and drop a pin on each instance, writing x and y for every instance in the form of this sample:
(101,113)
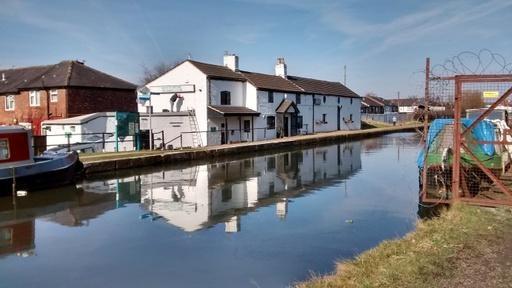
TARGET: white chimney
(231,61)
(3,76)
(281,68)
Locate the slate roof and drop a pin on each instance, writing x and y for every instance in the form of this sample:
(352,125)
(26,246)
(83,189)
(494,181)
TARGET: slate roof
(228,110)
(285,105)
(408,101)
(376,101)
(271,82)
(217,71)
(63,74)
(315,86)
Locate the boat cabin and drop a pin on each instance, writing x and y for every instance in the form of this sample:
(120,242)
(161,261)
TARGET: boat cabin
(15,146)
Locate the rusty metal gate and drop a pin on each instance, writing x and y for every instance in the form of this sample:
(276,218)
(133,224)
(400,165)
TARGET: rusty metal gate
(468,158)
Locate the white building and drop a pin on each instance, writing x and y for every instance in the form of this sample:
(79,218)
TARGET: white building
(89,133)
(229,105)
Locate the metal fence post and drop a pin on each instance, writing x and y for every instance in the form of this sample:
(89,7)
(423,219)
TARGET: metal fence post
(456,140)
(163,140)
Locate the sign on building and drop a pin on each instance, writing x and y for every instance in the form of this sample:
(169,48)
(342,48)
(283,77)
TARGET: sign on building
(164,89)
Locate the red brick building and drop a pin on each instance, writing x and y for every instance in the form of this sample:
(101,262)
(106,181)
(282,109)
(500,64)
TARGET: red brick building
(31,95)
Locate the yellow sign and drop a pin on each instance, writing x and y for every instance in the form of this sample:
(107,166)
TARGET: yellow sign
(491,94)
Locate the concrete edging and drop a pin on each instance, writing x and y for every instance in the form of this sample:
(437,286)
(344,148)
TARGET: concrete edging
(108,165)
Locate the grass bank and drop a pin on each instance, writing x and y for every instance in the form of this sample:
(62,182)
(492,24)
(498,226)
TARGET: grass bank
(466,246)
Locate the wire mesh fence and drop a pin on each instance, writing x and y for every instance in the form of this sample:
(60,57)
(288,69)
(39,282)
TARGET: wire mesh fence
(468,157)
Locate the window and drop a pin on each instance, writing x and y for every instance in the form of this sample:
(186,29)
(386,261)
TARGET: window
(54,95)
(299,122)
(325,99)
(227,194)
(9,103)
(324,118)
(297,98)
(271,163)
(271,122)
(351,118)
(286,159)
(225,98)
(351,99)
(270,97)
(247,125)
(4,149)
(339,99)
(33,97)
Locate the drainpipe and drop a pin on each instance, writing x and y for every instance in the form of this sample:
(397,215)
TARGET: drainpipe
(313,123)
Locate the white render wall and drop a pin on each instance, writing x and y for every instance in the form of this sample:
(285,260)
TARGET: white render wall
(207,92)
(88,132)
(173,124)
(236,88)
(185,73)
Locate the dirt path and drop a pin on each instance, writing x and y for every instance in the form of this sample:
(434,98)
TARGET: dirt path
(492,269)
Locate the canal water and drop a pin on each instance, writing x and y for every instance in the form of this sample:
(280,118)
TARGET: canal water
(265,221)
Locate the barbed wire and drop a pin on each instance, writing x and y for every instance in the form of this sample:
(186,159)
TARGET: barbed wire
(484,61)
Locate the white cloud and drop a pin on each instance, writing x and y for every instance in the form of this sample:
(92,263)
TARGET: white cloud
(448,17)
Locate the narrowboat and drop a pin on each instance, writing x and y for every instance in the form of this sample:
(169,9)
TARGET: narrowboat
(28,172)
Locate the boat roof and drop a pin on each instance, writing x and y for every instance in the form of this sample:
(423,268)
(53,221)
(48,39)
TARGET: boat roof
(12,129)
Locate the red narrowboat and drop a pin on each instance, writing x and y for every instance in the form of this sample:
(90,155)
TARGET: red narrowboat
(19,165)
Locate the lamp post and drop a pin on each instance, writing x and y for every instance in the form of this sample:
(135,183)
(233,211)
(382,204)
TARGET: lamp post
(145,94)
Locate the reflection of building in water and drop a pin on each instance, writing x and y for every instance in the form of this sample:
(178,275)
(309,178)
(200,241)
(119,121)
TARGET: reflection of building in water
(282,208)
(189,198)
(67,206)
(17,237)
(98,198)
(197,197)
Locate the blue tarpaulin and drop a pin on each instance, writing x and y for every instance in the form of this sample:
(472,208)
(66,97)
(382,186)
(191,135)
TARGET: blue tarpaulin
(483,131)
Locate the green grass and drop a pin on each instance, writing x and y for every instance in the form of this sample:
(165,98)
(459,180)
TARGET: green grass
(430,256)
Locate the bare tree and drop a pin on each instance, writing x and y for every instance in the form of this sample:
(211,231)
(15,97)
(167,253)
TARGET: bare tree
(159,69)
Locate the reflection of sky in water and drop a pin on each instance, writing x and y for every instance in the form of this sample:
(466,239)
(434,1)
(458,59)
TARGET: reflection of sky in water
(265,221)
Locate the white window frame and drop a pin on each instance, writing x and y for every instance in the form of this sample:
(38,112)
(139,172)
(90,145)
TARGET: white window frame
(7,106)
(8,154)
(54,95)
(33,94)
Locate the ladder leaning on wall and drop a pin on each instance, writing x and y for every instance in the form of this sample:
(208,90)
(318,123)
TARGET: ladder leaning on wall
(194,127)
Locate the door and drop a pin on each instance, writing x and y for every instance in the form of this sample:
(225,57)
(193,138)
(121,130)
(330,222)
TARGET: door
(247,129)
(285,126)
(339,118)
(222,134)
(293,125)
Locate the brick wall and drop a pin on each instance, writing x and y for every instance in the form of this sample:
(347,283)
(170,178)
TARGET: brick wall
(71,102)
(24,113)
(90,100)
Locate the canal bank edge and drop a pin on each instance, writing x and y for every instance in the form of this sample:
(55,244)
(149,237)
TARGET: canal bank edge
(99,163)
(467,246)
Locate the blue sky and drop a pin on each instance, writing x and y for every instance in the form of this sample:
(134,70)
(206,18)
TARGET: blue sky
(383,43)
